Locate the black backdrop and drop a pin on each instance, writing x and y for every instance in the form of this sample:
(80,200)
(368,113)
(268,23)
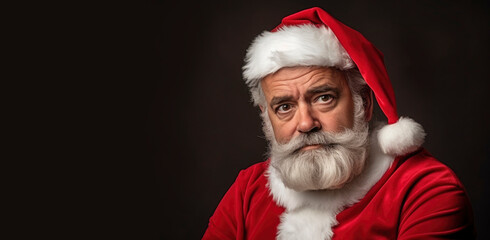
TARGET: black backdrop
(180,125)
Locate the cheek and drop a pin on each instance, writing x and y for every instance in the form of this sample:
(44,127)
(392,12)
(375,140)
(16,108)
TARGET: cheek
(345,115)
(339,119)
(349,113)
(283,131)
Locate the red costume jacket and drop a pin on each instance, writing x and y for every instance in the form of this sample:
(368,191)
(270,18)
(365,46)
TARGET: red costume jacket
(417,197)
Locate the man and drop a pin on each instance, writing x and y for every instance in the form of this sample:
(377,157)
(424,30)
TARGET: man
(328,175)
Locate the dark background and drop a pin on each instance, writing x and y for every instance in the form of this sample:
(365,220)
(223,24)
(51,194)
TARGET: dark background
(175,125)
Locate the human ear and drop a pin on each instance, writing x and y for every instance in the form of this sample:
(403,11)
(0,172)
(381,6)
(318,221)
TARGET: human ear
(367,96)
(261,108)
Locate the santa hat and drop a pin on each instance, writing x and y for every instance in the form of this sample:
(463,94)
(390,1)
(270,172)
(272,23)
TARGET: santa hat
(314,38)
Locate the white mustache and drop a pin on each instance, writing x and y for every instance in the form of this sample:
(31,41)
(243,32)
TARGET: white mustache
(325,139)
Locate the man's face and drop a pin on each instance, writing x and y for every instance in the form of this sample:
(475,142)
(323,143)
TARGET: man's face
(317,130)
(307,99)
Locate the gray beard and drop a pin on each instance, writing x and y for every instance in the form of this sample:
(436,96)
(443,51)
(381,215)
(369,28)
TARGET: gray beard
(340,158)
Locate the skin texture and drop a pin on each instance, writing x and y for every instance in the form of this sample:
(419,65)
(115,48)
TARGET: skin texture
(305,99)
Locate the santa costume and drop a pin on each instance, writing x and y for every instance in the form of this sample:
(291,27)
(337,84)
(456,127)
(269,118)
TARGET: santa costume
(402,193)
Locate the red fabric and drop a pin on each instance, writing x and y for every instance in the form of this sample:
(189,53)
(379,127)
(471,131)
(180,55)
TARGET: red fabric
(417,198)
(365,55)
(247,210)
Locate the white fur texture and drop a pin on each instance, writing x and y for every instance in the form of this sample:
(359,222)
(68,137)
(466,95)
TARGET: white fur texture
(302,45)
(402,137)
(311,215)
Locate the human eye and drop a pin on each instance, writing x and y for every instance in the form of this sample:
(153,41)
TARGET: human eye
(325,98)
(283,108)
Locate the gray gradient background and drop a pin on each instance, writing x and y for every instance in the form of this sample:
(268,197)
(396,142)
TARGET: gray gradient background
(196,128)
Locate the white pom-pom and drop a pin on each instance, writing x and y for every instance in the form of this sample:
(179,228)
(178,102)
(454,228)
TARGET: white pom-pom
(402,137)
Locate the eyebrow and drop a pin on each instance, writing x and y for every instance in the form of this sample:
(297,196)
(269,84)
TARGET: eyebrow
(322,89)
(280,99)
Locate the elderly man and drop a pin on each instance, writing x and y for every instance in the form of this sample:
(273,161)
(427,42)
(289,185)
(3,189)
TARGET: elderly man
(329,176)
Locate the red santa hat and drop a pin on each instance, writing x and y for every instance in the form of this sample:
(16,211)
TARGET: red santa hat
(314,38)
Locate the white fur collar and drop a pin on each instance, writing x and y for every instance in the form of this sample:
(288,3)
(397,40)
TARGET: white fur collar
(311,215)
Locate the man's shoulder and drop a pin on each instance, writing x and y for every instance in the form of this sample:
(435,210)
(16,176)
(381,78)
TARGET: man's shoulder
(253,172)
(431,197)
(421,166)
(252,182)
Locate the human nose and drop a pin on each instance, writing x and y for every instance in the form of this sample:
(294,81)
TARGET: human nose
(307,121)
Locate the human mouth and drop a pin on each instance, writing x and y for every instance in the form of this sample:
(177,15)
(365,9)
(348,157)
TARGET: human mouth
(310,147)
(314,146)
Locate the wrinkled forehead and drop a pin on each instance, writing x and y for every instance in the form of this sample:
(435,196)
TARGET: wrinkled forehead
(303,76)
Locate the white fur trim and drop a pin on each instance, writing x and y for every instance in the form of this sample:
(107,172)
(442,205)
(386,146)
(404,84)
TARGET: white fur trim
(311,215)
(302,45)
(402,137)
